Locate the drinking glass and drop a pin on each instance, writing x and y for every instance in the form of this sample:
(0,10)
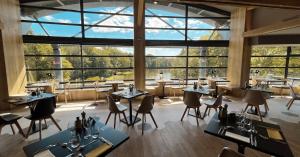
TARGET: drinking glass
(75,141)
(96,132)
(88,131)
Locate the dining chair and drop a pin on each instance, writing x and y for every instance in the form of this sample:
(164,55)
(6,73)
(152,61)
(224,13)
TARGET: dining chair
(215,105)
(254,98)
(294,97)
(67,92)
(191,100)
(10,119)
(145,108)
(99,90)
(227,152)
(116,109)
(55,91)
(180,86)
(42,110)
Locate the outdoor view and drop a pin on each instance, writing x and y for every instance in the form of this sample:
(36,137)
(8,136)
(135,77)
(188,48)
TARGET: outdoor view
(87,63)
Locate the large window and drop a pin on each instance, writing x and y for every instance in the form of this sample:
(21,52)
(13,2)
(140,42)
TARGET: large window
(91,41)
(277,61)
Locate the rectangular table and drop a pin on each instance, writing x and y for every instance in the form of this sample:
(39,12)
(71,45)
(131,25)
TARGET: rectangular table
(268,146)
(113,136)
(125,94)
(203,90)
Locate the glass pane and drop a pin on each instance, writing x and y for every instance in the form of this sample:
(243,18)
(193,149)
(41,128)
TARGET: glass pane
(63,4)
(106,51)
(165,51)
(267,62)
(67,75)
(294,62)
(208,35)
(201,24)
(108,62)
(48,49)
(195,73)
(124,7)
(52,62)
(207,62)
(108,74)
(296,50)
(161,22)
(208,51)
(51,29)
(107,32)
(160,34)
(108,20)
(167,73)
(165,9)
(268,50)
(50,16)
(164,62)
(263,72)
(294,72)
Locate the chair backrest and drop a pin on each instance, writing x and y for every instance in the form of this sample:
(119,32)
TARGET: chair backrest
(254,97)
(147,104)
(227,152)
(44,107)
(218,101)
(112,104)
(293,94)
(191,99)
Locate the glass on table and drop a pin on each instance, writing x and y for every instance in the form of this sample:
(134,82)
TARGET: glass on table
(95,132)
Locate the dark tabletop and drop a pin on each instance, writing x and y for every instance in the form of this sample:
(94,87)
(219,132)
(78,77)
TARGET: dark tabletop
(27,99)
(126,94)
(269,146)
(113,136)
(198,90)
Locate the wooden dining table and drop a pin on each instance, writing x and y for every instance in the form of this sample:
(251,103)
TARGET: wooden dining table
(108,136)
(259,141)
(115,84)
(162,87)
(126,94)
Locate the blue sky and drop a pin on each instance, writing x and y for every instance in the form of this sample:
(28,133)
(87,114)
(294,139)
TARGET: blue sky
(119,20)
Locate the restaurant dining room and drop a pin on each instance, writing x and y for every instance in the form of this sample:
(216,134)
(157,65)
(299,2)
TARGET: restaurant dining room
(149,78)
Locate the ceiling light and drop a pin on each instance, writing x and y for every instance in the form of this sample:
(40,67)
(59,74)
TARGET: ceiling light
(155,2)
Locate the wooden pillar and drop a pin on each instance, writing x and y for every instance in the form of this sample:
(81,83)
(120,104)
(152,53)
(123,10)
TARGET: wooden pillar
(239,48)
(139,44)
(12,63)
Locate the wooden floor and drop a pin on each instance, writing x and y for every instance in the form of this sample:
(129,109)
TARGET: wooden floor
(172,138)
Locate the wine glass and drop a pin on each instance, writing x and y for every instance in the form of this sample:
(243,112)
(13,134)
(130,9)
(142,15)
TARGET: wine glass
(88,132)
(96,132)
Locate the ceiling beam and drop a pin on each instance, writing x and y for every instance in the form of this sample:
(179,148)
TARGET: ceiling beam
(275,27)
(210,8)
(276,39)
(288,4)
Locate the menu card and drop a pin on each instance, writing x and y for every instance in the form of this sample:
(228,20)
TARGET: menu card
(237,136)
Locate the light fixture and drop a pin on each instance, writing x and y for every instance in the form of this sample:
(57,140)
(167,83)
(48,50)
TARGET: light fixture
(155,2)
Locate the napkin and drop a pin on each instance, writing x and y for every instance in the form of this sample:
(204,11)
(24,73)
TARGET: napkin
(274,134)
(45,153)
(99,150)
(237,136)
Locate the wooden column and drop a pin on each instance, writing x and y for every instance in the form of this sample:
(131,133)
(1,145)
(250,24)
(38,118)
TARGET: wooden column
(239,48)
(139,44)
(12,63)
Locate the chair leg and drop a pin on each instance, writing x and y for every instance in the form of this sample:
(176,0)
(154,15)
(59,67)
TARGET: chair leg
(258,111)
(125,117)
(108,118)
(246,108)
(29,128)
(208,111)
(119,117)
(143,117)
(12,129)
(184,113)
(153,120)
(188,111)
(56,124)
(196,116)
(291,104)
(40,130)
(205,112)
(115,119)
(19,128)
(135,119)
(198,112)
(45,123)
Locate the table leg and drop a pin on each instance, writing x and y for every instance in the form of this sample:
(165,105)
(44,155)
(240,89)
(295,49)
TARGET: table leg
(130,117)
(241,148)
(130,112)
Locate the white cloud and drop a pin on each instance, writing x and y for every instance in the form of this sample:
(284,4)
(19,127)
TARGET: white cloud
(116,20)
(53,19)
(155,22)
(64,20)
(48,17)
(194,23)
